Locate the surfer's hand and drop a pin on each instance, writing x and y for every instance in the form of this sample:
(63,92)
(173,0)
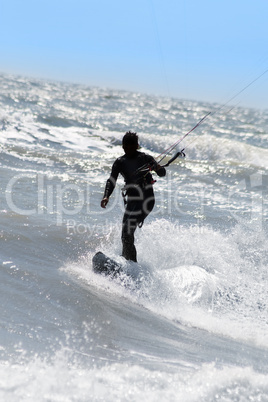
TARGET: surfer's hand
(104,202)
(160,170)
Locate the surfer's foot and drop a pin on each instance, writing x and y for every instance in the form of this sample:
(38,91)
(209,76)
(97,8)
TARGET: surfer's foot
(129,252)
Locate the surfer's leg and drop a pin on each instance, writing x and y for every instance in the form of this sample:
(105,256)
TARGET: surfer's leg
(128,229)
(135,213)
(147,205)
(131,220)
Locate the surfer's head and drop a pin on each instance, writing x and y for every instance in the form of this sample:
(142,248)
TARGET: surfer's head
(130,143)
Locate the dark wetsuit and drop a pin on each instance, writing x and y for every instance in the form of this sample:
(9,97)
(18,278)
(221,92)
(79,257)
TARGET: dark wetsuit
(139,192)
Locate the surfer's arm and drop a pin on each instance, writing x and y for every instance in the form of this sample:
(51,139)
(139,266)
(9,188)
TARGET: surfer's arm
(110,184)
(159,170)
(109,188)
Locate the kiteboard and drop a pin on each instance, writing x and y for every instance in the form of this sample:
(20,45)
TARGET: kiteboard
(105,265)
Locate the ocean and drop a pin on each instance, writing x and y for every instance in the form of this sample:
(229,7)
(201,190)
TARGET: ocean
(192,323)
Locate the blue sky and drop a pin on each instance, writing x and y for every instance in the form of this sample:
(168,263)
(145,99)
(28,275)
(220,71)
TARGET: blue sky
(191,49)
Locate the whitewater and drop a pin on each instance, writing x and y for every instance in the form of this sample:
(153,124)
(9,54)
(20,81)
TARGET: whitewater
(193,324)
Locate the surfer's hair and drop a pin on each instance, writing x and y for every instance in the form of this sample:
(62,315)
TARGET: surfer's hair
(130,138)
